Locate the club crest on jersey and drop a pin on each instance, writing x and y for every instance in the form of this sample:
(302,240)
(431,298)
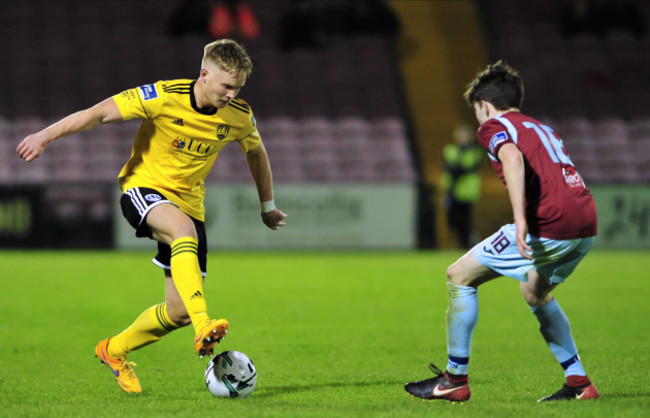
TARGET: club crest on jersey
(222,132)
(497,138)
(148,92)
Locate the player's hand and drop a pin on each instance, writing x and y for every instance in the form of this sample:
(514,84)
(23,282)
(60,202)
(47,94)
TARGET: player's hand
(31,147)
(522,246)
(273,219)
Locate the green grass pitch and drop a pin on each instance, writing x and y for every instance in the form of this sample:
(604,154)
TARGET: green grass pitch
(332,334)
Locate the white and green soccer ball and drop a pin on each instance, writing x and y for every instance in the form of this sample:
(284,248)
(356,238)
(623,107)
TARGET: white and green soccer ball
(231,374)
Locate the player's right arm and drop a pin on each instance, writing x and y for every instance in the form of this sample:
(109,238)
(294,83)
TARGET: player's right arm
(102,113)
(514,172)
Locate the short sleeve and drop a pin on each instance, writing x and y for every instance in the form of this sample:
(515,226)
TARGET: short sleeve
(253,139)
(492,135)
(142,102)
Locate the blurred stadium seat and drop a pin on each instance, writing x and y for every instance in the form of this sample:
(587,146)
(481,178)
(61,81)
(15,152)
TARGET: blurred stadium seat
(331,112)
(594,85)
(305,97)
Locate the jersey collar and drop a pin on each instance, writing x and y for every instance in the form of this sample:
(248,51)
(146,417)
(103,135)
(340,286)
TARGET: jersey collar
(204,111)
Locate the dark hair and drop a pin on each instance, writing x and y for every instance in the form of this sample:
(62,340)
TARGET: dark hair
(499,84)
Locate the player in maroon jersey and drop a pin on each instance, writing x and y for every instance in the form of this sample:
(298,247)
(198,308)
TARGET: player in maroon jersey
(554,227)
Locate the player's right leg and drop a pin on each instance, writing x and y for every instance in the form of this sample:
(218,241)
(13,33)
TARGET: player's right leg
(173,227)
(210,332)
(556,330)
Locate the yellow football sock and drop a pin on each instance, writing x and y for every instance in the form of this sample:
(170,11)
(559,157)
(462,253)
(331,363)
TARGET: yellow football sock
(149,327)
(188,280)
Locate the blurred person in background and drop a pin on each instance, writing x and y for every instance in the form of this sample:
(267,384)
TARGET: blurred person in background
(461,183)
(218,19)
(230,16)
(555,224)
(185,123)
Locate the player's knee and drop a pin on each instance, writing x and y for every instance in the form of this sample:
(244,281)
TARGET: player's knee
(182,230)
(454,275)
(178,314)
(181,320)
(530,299)
(534,300)
(186,229)
(450,274)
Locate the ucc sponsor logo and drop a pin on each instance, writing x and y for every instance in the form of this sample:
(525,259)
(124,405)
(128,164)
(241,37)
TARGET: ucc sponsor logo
(193,146)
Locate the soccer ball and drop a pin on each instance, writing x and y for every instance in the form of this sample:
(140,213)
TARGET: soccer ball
(230,374)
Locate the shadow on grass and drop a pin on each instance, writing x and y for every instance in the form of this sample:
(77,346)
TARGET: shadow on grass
(273,391)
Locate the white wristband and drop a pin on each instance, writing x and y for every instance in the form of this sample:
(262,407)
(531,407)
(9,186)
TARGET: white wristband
(268,206)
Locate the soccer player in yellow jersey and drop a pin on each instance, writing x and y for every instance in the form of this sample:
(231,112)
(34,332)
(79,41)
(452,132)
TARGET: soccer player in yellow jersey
(185,123)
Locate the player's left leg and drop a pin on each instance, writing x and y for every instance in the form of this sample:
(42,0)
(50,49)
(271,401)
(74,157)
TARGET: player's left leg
(556,330)
(175,306)
(183,239)
(463,278)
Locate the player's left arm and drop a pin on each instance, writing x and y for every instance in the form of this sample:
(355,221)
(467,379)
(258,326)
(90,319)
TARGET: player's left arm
(258,162)
(514,172)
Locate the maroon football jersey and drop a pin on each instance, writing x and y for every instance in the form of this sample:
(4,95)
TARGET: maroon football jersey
(558,205)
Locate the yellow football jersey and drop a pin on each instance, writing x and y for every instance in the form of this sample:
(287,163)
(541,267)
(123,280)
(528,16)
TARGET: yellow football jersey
(178,143)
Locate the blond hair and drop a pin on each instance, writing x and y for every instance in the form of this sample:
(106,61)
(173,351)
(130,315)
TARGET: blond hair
(229,56)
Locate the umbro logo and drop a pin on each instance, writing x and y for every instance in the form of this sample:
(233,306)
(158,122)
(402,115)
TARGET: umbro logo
(196,294)
(178,122)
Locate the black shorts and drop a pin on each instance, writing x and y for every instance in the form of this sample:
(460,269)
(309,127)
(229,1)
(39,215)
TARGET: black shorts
(136,204)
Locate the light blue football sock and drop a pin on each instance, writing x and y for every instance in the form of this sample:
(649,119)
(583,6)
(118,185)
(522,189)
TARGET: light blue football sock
(462,315)
(556,330)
